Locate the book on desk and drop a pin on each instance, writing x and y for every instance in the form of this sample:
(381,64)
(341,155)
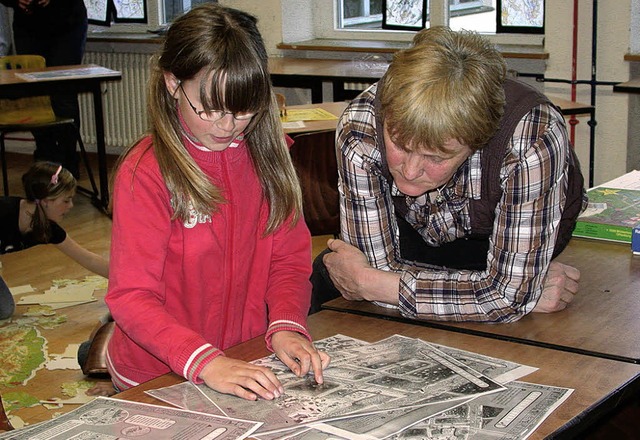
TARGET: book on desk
(613,211)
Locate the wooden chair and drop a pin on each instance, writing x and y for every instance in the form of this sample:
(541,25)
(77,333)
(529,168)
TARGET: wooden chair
(5,424)
(33,114)
(314,158)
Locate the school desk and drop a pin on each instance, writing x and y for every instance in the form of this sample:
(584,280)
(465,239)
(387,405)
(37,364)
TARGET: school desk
(602,321)
(309,73)
(599,384)
(73,79)
(632,86)
(336,108)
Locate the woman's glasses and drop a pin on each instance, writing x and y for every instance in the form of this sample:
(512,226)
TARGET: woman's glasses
(215,115)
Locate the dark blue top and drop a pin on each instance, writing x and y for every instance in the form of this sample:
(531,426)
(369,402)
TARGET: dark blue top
(54,19)
(11,239)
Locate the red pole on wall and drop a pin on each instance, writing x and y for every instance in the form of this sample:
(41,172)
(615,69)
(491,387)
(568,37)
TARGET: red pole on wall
(573,121)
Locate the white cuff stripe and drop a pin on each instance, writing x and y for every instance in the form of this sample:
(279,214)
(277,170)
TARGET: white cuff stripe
(285,321)
(195,354)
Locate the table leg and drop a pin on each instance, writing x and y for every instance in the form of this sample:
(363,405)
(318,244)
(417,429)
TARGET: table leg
(103,198)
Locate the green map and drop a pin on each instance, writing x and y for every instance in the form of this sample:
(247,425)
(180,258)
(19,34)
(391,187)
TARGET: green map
(14,400)
(611,215)
(24,351)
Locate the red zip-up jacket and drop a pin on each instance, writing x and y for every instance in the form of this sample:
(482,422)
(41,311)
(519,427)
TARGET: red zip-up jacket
(181,292)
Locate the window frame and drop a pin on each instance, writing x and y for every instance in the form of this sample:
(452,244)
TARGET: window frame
(471,4)
(109,15)
(387,25)
(503,28)
(325,18)
(326,15)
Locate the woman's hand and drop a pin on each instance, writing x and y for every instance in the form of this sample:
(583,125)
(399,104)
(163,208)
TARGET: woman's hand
(354,277)
(344,265)
(299,354)
(560,287)
(240,378)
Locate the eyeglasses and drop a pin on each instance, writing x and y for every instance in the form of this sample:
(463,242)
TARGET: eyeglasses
(215,115)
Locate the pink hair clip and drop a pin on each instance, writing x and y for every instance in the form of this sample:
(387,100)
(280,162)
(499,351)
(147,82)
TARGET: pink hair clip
(54,178)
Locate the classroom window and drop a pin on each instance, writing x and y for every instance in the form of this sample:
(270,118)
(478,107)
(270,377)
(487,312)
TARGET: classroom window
(106,12)
(475,15)
(461,5)
(360,14)
(173,8)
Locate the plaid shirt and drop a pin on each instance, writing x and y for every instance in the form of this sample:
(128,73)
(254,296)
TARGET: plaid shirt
(534,182)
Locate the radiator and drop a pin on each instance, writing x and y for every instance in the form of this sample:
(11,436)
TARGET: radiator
(123,102)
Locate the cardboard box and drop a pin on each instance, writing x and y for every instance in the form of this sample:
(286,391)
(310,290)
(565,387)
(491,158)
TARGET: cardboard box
(611,215)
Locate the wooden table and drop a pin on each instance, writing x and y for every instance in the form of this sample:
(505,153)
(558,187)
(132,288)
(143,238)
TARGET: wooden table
(599,383)
(310,74)
(632,86)
(335,108)
(13,86)
(570,108)
(602,321)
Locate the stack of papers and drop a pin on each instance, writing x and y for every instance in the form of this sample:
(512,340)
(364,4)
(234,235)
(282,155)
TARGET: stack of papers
(381,390)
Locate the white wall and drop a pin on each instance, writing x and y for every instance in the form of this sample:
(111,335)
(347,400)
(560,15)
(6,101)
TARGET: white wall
(613,40)
(269,14)
(635,27)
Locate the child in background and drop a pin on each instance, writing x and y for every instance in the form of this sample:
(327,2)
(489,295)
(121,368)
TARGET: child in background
(209,248)
(34,220)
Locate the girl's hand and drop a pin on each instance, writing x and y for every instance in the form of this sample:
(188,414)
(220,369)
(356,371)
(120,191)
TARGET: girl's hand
(233,376)
(297,353)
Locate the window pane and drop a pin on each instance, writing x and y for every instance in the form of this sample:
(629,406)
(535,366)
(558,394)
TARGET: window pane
(173,8)
(515,13)
(375,7)
(352,8)
(407,14)
(473,15)
(130,10)
(360,14)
